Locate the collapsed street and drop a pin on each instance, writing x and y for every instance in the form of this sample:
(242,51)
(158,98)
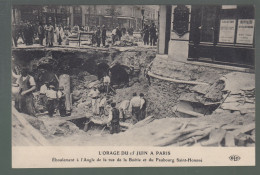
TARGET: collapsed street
(188,105)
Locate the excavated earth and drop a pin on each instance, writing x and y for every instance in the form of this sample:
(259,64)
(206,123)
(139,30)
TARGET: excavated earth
(165,98)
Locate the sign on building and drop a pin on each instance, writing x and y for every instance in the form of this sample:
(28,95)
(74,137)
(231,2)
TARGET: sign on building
(227,30)
(245,31)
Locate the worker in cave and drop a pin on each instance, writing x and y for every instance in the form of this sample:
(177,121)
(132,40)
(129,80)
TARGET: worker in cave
(106,83)
(143,106)
(113,119)
(24,99)
(102,105)
(94,95)
(135,107)
(61,101)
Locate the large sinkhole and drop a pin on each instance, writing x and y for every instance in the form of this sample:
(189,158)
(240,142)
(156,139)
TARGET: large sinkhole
(47,66)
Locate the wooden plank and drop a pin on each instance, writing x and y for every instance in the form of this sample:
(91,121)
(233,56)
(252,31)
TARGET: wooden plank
(174,80)
(195,114)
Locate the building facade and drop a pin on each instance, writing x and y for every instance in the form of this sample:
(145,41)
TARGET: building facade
(88,15)
(222,34)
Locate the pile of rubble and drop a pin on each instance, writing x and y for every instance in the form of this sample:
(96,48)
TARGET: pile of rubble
(186,132)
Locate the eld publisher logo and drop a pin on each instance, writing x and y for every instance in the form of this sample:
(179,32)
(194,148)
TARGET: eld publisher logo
(234,158)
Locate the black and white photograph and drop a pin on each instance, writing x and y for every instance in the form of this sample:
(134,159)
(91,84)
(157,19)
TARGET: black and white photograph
(155,76)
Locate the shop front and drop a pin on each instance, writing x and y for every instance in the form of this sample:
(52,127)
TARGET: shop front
(222,34)
(219,34)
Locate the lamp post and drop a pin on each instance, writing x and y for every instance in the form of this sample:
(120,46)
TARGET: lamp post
(142,11)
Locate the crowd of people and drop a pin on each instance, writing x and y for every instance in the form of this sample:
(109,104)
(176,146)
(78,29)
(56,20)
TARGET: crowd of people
(31,32)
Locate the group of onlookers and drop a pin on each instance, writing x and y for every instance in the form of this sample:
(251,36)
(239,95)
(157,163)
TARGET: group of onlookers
(29,31)
(149,34)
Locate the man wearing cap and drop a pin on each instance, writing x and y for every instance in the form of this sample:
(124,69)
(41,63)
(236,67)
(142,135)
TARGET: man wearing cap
(113,119)
(24,99)
(51,96)
(94,94)
(98,36)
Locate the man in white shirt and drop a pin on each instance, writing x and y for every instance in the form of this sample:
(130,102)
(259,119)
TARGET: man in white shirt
(135,107)
(52,97)
(94,94)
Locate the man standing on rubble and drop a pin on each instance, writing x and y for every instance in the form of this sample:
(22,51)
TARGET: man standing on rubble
(24,100)
(123,108)
(113,119)
(94,94)
(135,107)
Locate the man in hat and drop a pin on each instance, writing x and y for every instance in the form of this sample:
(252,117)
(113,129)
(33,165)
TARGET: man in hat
(98,36)
(113,119)
(24,99)
(51,96)
(104,35)
(61,101)
(94,95)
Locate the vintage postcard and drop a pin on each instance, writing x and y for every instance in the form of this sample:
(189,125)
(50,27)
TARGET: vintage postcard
(133,85)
